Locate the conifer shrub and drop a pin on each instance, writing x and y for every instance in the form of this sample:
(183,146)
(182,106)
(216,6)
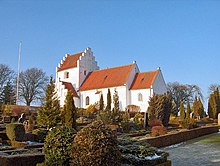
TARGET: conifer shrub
(15,131)
(57,146)
(41,134)
(95,145)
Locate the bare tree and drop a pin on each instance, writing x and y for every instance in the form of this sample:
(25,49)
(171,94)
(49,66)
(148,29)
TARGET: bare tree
(183,93)
(32,85)
(6,75)
(212,88)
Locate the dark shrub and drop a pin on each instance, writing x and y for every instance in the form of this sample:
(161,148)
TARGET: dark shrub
(57,146)
(41,134)
(95,145)
(15,131)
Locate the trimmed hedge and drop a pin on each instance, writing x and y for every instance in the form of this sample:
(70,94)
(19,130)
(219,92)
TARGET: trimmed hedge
(171,139)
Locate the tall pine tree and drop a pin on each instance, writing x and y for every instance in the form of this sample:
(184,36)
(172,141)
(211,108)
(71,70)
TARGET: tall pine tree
(116,107)
(214,104)
(182,111)
(8,94)
(49,115)
(188,111)
(160,108)
(101,103)
(109,101)
(201,109)
(70,111)
(195,107)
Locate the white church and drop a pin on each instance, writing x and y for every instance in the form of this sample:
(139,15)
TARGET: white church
(80,74)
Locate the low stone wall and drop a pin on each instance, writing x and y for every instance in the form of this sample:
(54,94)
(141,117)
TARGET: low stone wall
(21,159)
(171,139)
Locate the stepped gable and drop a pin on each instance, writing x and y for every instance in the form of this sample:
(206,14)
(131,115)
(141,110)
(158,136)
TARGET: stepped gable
(70,61)
(144,80)
(70,87)
(106,78)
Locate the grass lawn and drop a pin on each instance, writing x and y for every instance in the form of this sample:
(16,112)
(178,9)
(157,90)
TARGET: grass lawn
(215,138)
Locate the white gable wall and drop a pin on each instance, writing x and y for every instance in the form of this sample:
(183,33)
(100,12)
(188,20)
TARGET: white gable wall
(86,64)
(159,85)
(130,80)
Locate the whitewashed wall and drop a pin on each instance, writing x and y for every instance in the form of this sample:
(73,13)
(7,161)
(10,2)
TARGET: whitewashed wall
(94,98)
(146,93)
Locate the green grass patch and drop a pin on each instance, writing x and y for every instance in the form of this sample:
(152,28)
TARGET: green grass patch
(212,139)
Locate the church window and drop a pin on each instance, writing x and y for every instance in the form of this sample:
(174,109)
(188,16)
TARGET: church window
(84,72)
(66,75)
(87,100)
(140,97)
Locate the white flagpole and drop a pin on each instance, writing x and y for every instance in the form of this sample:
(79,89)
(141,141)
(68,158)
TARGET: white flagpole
(18,77)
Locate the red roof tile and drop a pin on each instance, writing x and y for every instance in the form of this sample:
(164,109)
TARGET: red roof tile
(70,87)
(70,61)
(111,77)
(144,80)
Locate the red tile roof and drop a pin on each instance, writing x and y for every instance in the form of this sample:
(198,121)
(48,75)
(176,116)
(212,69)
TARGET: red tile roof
(106,78)
(144,80)
(70,61)
(70,87)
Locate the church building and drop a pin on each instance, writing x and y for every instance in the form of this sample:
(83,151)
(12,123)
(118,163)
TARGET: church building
(80,74)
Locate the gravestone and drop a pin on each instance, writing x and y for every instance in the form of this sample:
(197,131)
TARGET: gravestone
(219,119)
(191,115)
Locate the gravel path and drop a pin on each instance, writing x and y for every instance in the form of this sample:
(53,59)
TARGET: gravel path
(202,151)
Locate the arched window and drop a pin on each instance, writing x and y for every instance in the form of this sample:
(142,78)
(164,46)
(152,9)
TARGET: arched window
(140,97)
(87,100)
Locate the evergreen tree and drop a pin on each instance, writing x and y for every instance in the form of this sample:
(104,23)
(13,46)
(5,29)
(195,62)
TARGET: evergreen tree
(160,108)
(101,103)
(195,107)
(214,104)
(70,111)
(182,112)
(8,94)
(116,102)
(201,109)
(49,115)
(109,101)
(188,111)
(116,107)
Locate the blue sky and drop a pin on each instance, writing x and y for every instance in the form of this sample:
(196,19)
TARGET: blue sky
(180,36)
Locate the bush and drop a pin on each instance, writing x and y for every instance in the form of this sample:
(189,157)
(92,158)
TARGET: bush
(15,131)
(95,145)
(57,146)
(41,134)
(158,130)
(137,118)
(188,123)
(155,122)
